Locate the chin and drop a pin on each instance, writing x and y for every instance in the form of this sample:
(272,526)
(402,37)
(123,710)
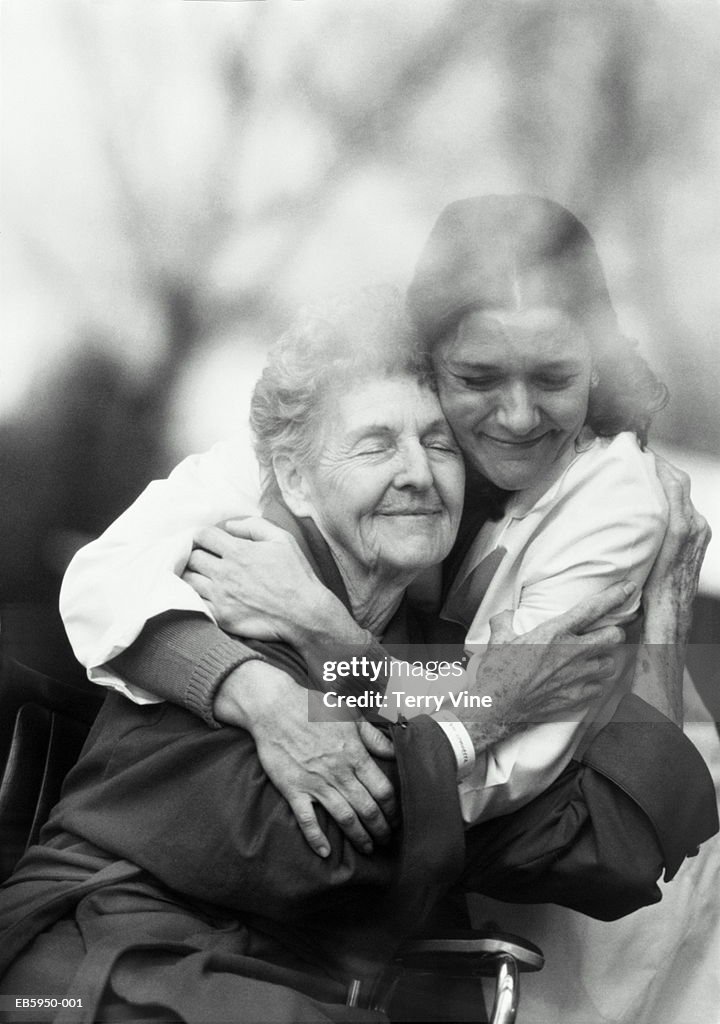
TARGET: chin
(513,482)
(511,478)
(413,561)
(506,481)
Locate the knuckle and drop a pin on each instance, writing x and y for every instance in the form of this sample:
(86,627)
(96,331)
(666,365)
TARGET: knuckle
(604,668)
(343,775)
(384,791)
(306,817)
(370,811)
(615,635)
(357,755)
(607,636)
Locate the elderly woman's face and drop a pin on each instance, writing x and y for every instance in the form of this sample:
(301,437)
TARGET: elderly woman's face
(387,485)
(515,388)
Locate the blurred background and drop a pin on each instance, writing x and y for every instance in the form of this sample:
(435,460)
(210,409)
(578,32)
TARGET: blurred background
(179,176)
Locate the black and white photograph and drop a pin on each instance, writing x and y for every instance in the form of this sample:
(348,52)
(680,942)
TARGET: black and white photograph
(360,463)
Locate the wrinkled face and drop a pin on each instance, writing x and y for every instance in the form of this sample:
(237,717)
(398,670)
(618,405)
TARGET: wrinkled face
(515,388)
(386,488)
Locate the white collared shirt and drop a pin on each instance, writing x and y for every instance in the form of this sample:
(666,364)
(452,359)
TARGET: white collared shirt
(600,522)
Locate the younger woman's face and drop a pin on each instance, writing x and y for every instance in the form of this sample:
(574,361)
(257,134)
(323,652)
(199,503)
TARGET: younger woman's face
(514,386)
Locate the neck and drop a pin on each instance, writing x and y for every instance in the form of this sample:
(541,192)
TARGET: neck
(374,595)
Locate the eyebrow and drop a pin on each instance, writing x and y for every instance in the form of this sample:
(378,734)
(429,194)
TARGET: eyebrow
(369,430)
(556,366)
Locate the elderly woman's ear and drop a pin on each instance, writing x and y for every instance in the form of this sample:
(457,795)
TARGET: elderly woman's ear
(293,485)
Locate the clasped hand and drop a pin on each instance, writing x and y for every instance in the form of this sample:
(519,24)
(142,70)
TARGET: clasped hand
(254,578)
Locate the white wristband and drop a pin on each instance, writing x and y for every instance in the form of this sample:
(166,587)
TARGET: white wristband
(459,739)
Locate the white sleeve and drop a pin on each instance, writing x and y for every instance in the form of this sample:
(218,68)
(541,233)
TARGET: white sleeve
(132,572)
(612,534)
(579,559)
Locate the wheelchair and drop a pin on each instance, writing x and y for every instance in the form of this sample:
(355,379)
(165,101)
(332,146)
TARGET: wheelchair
(43,725)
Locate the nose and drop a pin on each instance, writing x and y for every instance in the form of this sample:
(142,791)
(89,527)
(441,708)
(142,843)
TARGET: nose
(517,411)
(414,469)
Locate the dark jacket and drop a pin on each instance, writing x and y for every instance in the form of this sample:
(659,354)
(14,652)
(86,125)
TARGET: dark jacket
(193,810)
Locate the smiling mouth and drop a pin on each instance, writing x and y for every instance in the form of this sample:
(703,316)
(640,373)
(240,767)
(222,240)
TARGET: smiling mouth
(515,444)
(410,512)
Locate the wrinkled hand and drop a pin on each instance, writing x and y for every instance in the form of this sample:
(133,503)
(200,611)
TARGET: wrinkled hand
(668,598)
(554,670)
(327,762)
(252,575)
(672,586)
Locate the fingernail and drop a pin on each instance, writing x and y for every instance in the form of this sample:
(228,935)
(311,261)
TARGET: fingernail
(367,848)
(629,588)
(324,851)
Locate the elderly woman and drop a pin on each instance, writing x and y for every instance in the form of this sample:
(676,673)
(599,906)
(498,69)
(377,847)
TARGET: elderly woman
(172,851)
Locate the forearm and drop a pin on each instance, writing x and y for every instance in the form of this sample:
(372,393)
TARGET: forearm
(325,632)
(669,596)
(658,678)
(183,658)
(667,616)
(543,690)
(130,574)
(323,625)
(660,663)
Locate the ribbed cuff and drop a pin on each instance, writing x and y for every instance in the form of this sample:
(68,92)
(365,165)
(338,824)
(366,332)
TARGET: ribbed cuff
(183,657)
(212,669)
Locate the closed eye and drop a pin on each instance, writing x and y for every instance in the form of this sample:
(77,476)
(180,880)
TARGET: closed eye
(442,445)
(479,383)
(551,383)
(376,450)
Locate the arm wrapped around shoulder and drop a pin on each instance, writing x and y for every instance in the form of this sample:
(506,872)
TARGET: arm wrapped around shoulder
(599,838)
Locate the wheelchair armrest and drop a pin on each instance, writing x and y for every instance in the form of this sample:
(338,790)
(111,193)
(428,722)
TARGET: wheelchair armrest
(474,952)
(471,954)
